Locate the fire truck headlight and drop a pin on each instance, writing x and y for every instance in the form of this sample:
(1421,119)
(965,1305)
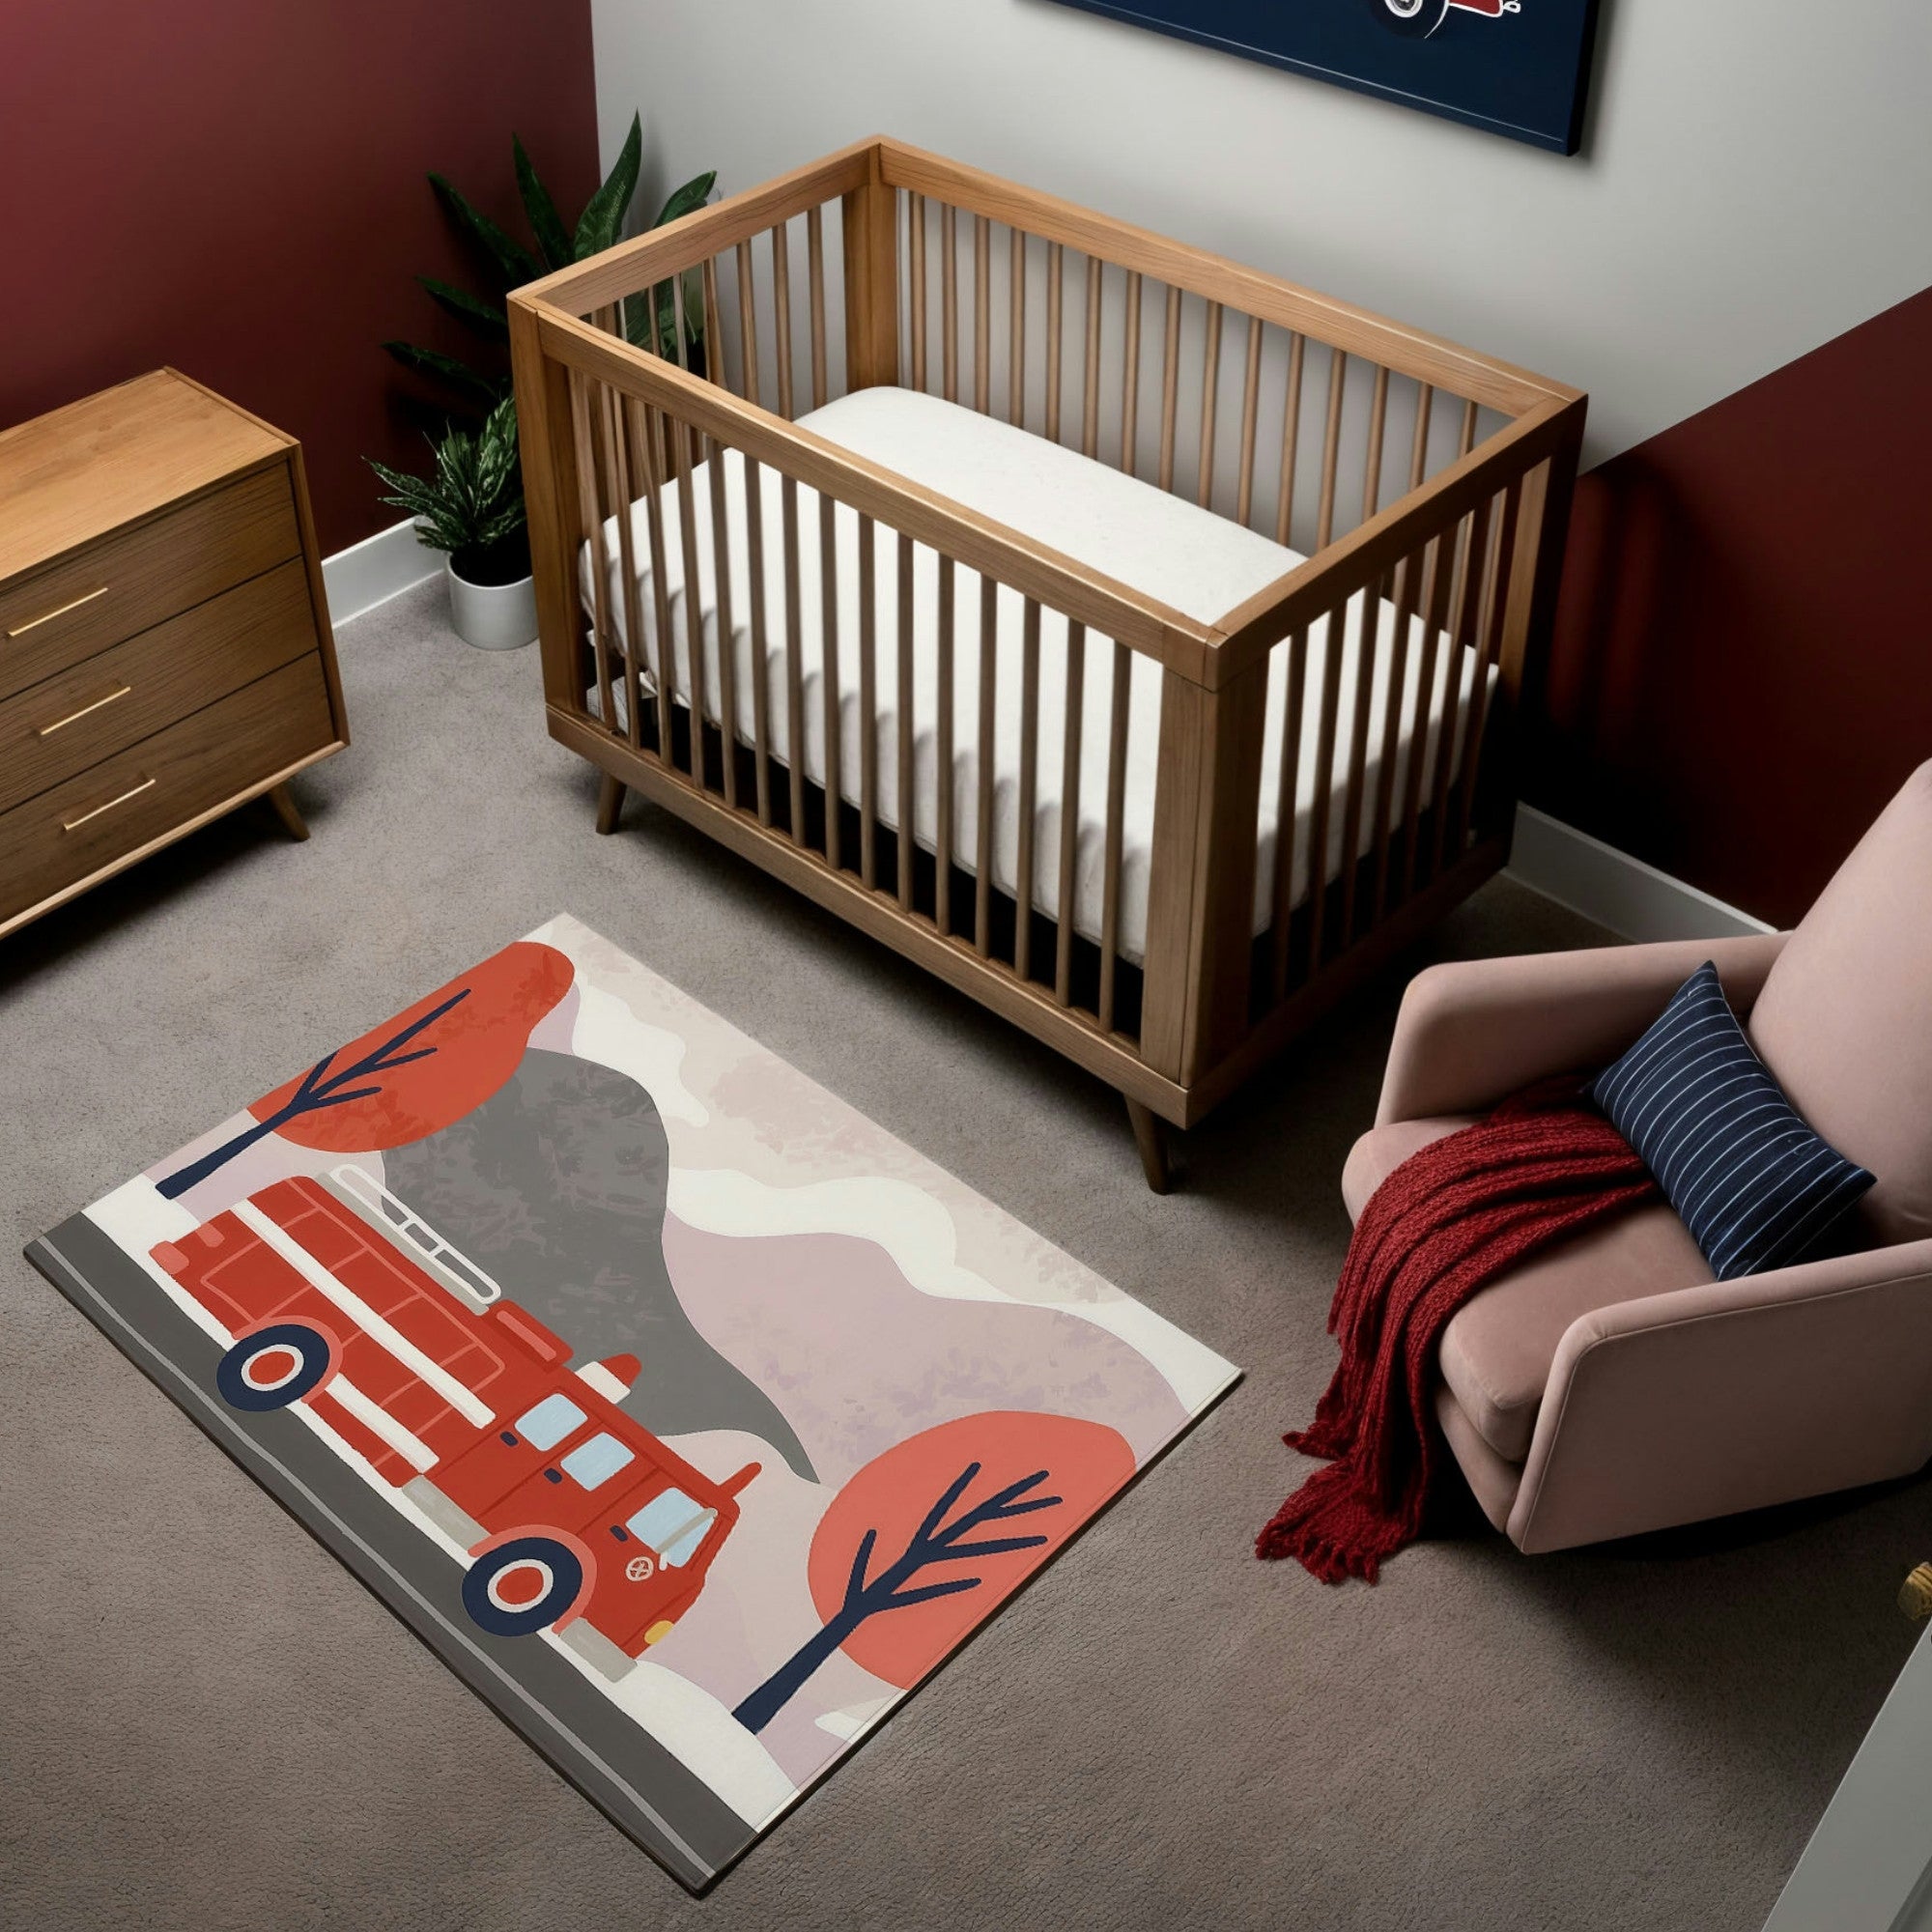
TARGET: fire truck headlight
(658,1631)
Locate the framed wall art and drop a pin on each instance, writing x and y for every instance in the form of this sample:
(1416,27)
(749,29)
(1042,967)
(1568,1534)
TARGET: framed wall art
(1514,66)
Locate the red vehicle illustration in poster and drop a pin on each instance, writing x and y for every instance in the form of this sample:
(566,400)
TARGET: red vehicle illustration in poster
(1419,19)
(575,1516)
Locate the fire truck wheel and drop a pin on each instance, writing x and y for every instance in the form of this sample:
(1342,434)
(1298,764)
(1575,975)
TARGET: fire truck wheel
(1412,19)
(272,1367)
(522,1586)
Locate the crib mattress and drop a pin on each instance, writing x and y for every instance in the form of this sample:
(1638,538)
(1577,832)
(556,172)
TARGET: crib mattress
(1199,563)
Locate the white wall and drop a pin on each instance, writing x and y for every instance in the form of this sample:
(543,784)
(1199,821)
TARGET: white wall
(1756,178)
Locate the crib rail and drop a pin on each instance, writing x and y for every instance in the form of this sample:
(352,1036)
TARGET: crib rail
(1426,485)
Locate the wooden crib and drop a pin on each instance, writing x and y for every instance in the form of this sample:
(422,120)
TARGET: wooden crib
(1168,839)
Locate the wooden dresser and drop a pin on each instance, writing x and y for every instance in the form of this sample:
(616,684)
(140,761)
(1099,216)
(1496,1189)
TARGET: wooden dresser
(165,653)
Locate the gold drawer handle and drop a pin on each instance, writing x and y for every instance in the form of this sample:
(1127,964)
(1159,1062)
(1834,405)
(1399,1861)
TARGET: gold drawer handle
(134,791)
(74,717)
(48,616)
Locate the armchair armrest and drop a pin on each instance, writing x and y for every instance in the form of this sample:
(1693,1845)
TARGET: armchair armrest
(1732,1396)
(1472,1031)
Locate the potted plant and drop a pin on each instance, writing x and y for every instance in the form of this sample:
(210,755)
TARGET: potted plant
(472,508)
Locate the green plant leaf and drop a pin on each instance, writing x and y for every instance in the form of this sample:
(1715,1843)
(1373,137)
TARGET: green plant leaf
(514,262)
(448,369)
(473,498)
(604,212)
(545,223)
(693,194)
(488,319)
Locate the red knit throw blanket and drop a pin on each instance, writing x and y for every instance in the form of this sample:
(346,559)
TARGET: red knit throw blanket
(1452,1217)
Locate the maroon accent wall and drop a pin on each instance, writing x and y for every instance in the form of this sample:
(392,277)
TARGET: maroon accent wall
(237,189)
(1743,667)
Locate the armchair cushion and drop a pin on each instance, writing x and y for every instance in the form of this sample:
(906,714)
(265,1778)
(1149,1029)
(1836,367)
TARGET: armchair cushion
(1755,1186)
(1845,1018)
(1497,1351)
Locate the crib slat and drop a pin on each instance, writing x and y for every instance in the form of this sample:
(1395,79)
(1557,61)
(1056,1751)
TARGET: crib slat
(713,348)
(694,610)
(781,313)
(1418,447)
(1474,543)
(1028,785)
(948,298)
(1287,801)
(941,775)
(590,492)
(657,434)
(906,846)
(1358,759)
(828,658)
(982,314)
(1251,381)
(1070,810)
(1392,721)
(1055,277)
(916,274)
(1486,660)
(1371,469)
(814,251)
(983,857)
(680,348)
(1170,386)
(1211,384)
(868,708)
(630,444)
(1324,782)
(1131,377)
(1016,335)
(728,637)
(1435,608)
(1116,794)
(1090,405)
(1291,437)
(761,674)
(1418,463)
(747,322)
(1331,446)
(794,659)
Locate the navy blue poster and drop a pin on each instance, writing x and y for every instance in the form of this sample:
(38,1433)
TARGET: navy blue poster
(1514,66)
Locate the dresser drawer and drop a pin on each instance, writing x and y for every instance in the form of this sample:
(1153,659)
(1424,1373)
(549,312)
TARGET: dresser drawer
(128,582)
(86,823)
(71,722)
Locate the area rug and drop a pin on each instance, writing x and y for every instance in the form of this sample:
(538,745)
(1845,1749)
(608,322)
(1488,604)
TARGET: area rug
(690,1417)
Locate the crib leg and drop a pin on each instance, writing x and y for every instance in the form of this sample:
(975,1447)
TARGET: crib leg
(610,802)
(1151,1137)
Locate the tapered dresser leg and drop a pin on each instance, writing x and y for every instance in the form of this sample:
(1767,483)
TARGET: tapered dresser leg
(609,802)
(1151,1137)
(288,811)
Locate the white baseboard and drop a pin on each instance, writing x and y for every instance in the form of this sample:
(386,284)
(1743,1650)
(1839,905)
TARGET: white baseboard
(375,570)
(1634,900)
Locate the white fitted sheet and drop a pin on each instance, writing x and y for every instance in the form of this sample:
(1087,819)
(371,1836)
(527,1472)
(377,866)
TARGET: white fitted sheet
(1188,558)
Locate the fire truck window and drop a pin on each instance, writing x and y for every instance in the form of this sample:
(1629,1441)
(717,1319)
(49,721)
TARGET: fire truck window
(674,1526)
(597,1460)
(546,1425)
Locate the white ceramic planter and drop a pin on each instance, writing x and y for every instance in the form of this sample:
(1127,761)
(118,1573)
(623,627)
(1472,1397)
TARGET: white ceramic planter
(491,616)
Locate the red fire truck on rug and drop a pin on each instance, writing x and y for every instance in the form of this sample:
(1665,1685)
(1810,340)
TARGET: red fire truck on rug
(574,1515)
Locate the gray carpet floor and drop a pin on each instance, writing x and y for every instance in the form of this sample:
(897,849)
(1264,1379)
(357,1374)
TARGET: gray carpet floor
(205,1723)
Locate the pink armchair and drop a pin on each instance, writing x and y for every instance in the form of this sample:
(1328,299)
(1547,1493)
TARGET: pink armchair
(1611,1386)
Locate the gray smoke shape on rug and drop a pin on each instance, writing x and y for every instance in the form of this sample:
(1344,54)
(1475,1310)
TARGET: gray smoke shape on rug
(557,1185)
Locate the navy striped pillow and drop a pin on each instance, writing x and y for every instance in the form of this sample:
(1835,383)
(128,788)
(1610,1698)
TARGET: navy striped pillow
(1754,1185)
